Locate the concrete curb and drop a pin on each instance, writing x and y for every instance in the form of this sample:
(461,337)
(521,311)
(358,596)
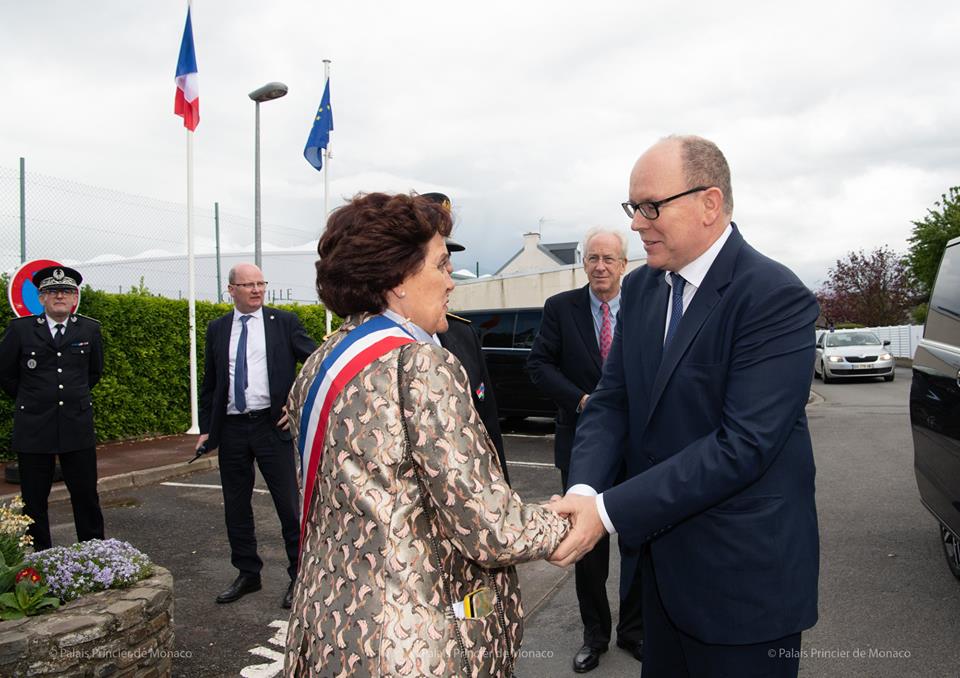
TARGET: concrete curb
(141,478)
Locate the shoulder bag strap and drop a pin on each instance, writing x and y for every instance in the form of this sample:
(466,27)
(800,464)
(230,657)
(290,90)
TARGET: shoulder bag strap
(429,513)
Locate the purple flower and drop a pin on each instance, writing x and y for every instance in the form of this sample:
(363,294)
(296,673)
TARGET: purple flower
(72,571)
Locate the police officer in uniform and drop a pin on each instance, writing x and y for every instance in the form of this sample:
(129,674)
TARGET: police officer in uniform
(48,364)
(462,341)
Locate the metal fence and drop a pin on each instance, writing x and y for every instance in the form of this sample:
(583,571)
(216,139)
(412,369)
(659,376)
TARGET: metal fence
(120,240)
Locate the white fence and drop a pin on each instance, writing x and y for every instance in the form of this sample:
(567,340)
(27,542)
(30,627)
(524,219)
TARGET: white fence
(903,338)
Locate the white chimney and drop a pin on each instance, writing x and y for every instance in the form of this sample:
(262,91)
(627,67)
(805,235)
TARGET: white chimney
(531,241)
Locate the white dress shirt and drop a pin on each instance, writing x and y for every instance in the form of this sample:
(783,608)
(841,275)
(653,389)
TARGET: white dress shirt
(258,381)
(52,324)
(693,273)
(597,312)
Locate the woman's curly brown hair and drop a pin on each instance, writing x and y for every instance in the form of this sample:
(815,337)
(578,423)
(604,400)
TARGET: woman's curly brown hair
(371,245)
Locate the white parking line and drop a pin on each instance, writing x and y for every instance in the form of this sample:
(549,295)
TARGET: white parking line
(275,657)
(530,464)
(209,487)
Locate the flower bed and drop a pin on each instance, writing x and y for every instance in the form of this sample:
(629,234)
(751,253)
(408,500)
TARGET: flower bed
(118,616)
(116,632)
(89,566)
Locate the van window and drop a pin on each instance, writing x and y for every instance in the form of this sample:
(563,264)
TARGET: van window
(496,329)
(943,316)
(528,324)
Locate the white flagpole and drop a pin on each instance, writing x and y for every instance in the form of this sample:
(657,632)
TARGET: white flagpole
(191,292)
(326,178)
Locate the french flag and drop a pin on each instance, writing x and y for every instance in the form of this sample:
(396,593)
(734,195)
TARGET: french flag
(187,102)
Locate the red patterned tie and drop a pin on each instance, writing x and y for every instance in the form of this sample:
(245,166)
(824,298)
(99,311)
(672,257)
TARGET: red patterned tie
(606,332)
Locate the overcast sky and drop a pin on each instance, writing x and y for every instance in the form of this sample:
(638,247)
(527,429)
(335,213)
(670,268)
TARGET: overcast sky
(840,120)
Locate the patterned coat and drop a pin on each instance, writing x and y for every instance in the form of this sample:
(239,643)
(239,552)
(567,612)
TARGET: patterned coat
(369,600)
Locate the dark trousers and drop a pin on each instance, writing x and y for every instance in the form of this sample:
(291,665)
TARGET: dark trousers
(668,652)
(244,440)
(80,476)
(590,575)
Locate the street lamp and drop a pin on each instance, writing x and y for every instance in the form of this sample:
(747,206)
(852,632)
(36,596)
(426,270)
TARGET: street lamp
(272,90)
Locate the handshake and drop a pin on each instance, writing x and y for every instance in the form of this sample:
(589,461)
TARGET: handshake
(586,527)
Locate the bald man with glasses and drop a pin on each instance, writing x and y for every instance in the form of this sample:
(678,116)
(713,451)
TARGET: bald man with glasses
(703,398)
(250,361)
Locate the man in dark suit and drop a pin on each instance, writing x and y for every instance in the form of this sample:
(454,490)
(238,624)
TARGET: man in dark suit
(462,341)
(703,397)
(48,364)
(250,362)
(565,362)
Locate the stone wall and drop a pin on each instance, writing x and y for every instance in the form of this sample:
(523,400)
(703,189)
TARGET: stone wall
(119,633)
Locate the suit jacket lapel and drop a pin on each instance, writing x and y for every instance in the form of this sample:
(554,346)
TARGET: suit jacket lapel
(703,303)
(43,330)
(270,330)
(654,298)
(223,347)
(583,318)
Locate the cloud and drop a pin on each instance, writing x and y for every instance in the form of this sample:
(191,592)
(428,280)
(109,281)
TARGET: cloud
(838,119)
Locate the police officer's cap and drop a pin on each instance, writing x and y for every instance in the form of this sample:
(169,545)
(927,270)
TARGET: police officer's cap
(441,199)
(54,278)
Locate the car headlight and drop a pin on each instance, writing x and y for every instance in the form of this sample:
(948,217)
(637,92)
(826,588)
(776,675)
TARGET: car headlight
(835,358)
(886,356)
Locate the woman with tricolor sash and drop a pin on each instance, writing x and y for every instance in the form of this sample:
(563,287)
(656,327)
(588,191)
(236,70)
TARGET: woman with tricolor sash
(409,532)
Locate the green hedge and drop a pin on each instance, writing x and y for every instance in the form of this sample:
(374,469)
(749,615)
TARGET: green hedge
(145,388)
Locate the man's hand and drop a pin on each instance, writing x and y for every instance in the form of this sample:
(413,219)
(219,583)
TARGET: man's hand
(583,402)
(201,439)
(587,528)
(284,423)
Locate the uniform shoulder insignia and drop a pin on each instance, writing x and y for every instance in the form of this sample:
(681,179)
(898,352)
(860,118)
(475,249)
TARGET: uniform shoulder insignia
(85,317)
(39,319)
(456,317)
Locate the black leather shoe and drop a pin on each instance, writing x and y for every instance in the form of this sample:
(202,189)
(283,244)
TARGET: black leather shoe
(241,586)
(288,598)
(634,647)
(587,659)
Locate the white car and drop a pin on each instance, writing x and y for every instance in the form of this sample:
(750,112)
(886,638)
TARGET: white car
(852,354)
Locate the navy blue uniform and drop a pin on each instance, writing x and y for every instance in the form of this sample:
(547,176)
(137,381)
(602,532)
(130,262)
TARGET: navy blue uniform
(50,381)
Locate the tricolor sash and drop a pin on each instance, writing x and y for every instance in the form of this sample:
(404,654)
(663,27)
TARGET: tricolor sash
(377,336)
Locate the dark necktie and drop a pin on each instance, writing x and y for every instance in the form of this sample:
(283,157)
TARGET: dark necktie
(240,368)
(58,337)
(676,305)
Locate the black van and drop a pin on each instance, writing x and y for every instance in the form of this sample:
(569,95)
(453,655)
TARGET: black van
(506,335)
(935,406)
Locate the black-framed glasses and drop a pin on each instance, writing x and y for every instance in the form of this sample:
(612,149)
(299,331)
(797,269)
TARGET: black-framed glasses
(651,209)
(258,285)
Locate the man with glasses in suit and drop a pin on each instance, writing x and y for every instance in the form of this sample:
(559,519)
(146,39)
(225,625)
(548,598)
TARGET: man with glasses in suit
(250,361)
(703,397)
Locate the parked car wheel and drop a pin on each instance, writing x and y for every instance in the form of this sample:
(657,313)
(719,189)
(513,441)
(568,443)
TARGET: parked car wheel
(951,549)
(889,377)
(826,377)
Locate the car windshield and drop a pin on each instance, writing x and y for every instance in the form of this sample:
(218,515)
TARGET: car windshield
(852,339)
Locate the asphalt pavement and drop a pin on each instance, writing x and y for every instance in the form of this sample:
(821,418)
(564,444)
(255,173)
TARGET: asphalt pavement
(888,604)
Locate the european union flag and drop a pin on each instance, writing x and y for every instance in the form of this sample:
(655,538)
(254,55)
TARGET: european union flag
(320,133)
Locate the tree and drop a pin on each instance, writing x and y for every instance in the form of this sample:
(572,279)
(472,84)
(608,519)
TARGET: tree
(930,237)
(874,289)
